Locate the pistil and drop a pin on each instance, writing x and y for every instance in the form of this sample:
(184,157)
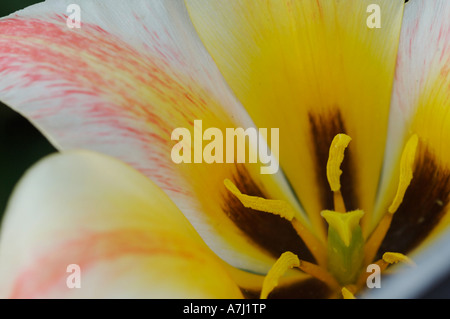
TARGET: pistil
(345,245)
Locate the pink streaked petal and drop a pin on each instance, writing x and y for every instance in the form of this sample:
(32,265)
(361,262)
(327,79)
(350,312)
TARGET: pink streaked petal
(421,98)
(120,85)
(119,228)
(123,263)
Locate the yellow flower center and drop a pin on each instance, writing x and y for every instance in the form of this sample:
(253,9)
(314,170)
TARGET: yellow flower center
(341,260)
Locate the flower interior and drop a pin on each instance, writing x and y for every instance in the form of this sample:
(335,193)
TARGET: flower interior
(342,261)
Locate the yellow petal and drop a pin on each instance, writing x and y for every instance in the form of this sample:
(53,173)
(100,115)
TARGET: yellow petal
(314,69)
(125,235)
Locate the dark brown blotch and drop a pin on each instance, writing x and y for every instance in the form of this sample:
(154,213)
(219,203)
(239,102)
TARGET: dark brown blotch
(311,288)
(272,233)
(423,206)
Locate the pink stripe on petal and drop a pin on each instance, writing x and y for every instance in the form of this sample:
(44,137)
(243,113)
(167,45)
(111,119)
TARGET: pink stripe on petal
(93,91)
(48,273)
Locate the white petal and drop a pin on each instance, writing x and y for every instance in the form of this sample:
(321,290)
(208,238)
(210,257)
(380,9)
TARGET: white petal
(125,235)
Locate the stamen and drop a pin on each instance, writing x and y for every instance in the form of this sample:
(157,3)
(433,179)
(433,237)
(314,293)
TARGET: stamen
(335,158)
(272,206)
(315,246)
(406,175)
(284,210)
(338,201)
(375,240)
(319,273)
(387,259)
(362,280)
(343,223)
(286,261)
(393,258)
(347,294)
(406,171)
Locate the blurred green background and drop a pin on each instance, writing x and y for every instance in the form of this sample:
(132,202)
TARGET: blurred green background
(21,144)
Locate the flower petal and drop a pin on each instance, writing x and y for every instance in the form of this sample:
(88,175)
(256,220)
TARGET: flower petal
(127,237)
(120,85)
(420,105)
(314,69)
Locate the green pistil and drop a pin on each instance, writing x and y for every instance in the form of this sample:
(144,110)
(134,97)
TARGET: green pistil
(345,245)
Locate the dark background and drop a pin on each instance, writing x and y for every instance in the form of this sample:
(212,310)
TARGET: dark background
(21,145)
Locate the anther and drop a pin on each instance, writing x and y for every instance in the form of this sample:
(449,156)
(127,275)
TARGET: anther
(406,172)
(272,206)
(335,158)
(347,294)
(393,258)
(286,261)
(283,209)
(406,175)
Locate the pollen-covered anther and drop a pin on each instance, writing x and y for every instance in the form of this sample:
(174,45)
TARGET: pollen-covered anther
(289,260)
(347,294)
(393,258)
(286,261)
(334,172)
(272,206)
(406,172)
(406,175)
(284,210)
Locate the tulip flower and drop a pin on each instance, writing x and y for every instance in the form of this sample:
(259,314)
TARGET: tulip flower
(358,90)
